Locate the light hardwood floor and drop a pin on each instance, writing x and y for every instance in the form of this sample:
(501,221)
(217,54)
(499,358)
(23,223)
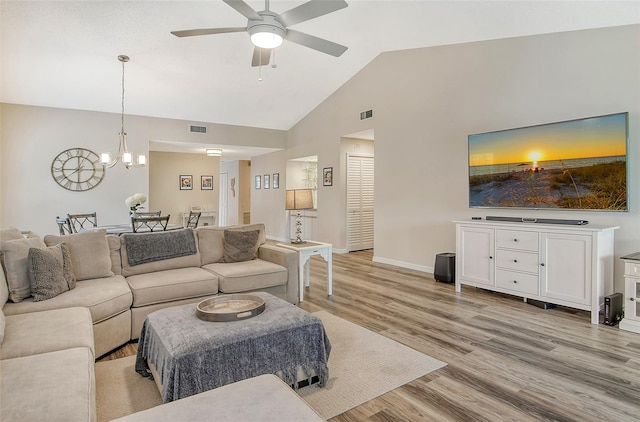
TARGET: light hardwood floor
(507,360)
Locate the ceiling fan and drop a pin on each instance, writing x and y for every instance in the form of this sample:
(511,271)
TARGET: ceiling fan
(268,29)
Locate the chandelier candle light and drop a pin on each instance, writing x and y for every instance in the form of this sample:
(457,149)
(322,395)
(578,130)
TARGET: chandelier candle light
(123,152)
(299,199)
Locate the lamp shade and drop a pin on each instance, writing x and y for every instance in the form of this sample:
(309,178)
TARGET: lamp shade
(299,199)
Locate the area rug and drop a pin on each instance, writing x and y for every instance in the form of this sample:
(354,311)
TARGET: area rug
(362,366)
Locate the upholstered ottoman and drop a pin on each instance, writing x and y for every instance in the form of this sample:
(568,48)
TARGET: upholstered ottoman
(189,356)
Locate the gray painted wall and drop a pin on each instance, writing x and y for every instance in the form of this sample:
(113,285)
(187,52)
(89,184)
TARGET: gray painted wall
(427,101)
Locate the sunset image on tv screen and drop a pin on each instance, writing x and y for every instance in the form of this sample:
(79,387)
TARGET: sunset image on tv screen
(577,164)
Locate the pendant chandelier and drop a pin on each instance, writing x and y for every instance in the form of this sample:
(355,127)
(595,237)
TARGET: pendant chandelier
(123,151)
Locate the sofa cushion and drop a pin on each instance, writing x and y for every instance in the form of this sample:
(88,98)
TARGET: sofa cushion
(10,233)
(170,285)
(240,246)
(4,296)
(114,251)
(211,238)
(151,267)
(15,255)
(47,331)
(105,297)
(60,384)
(237,277)
(90,256)
(50,271)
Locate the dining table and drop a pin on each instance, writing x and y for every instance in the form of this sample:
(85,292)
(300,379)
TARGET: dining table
(119,229)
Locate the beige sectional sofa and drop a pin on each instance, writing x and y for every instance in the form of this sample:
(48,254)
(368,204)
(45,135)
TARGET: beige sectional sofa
(48,347)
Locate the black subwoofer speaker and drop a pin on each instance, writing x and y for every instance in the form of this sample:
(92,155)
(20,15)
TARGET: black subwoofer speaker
(445,268)
(613,311)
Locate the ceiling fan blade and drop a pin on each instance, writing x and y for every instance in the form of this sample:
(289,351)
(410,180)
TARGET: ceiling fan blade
(244,9)
(315,43)
(261,56)
(208,31)
(311,9)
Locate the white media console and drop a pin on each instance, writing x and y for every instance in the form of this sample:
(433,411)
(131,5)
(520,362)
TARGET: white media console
(563,264)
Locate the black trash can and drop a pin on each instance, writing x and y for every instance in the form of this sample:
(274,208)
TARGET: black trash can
(445,268)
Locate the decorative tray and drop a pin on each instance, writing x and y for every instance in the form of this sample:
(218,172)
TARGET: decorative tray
(230,308)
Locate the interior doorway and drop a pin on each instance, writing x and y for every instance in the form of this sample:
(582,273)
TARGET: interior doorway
(360,202)
(223,200)
(358,150)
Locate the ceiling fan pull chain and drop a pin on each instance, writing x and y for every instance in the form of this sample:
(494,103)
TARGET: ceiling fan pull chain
(273,53)
(260,67)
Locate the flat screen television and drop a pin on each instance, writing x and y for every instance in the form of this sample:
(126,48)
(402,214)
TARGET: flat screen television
(571,165)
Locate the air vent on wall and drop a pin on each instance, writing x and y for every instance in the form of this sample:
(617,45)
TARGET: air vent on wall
(366,114)
(197,129)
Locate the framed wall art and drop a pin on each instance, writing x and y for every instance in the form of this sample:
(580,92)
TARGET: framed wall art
(258,182)
(266,181)
(206,182)
(327,176)
(276,180)
(186,182)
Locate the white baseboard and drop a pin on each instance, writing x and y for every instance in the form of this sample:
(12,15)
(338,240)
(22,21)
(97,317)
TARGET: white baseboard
(403,264)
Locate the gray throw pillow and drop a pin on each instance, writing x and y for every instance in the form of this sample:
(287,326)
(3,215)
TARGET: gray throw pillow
(50,271)
(240,246)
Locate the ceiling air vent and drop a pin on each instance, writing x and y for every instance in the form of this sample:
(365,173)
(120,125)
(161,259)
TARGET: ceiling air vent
(366,114)
(197,129)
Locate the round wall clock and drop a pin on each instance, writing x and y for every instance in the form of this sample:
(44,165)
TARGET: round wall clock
(77,169)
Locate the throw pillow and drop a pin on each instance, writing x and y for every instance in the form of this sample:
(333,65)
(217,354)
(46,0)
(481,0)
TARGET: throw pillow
(4,296)
(240,246)
(50,272)
(15,254)
(90,254)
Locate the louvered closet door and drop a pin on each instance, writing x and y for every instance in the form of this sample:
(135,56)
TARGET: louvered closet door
(360,191)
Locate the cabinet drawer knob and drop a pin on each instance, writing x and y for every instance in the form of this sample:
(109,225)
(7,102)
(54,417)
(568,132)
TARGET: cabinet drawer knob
(515,260)
(515,281)
(515,240)
(542,264)
(631,299)
(490,257)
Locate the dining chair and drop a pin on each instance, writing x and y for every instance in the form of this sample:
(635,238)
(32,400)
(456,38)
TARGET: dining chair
(192,221)
(147,214)
(64,226)
(81,221)
(150,224)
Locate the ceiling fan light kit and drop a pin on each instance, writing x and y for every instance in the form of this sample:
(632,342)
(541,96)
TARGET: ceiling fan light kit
(268,29)
(266,33)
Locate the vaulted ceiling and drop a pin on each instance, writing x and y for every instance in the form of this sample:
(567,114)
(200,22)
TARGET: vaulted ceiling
(64,53)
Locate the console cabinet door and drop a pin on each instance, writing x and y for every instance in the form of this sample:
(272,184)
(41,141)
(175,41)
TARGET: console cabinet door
(476,246)
(566,267)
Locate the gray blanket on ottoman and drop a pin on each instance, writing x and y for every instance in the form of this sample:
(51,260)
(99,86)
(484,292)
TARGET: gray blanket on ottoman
(192,356)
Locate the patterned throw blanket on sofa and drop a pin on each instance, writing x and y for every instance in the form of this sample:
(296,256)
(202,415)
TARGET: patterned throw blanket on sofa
(150,247)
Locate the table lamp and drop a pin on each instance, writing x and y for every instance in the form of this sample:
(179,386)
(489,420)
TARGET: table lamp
(299,199)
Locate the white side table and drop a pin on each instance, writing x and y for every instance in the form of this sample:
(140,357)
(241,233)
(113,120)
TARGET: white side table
(305,252)
(631,320)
